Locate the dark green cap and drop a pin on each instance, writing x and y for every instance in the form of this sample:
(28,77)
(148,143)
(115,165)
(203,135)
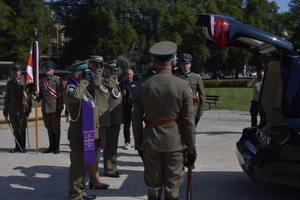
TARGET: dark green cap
(78,66)
(111,64)
(98,59)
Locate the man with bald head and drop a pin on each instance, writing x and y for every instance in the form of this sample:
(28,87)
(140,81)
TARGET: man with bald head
(127,91)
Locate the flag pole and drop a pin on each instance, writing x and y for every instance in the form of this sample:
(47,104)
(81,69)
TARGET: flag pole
(36,85)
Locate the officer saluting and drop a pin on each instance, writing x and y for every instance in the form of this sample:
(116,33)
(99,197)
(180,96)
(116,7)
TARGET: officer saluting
(76,97)
(164,102)
(51,94)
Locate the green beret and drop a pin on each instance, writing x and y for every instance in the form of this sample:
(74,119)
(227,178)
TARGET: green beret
(163,51)
(95,58)
(78,66)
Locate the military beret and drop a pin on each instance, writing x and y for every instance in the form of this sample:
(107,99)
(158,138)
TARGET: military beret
(185,58)
(49,65)
(16,68)
(163,51)
(95,58)
(78,66)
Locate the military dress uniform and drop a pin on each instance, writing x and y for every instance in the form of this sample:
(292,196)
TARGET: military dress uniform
(51,94)
(164,103)
(17,107)
(197,88)
(113,131)
(74,92)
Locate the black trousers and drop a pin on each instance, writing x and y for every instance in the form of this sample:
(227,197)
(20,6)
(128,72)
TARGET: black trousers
(254,111)
(127,124)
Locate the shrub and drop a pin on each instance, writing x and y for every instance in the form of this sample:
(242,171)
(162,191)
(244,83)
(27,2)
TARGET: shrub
(212,83)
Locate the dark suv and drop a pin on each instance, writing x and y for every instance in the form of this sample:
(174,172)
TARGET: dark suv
(269,152)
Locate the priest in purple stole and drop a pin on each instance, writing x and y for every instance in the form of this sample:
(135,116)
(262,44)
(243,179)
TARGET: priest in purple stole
(81,130)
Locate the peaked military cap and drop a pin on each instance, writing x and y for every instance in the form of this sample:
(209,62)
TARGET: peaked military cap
(78,66)
(49,65)
(185,58)
(111,64)
(95,58)
(163,51)
(16,68)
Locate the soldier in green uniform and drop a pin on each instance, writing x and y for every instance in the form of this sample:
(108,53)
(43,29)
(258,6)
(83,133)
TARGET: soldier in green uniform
(51,94)
(116,119)
(17,108)
(196,84)
(100,94)
(164,103)
(76,90)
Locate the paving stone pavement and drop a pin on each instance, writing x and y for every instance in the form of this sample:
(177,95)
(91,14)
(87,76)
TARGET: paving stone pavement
(217,175)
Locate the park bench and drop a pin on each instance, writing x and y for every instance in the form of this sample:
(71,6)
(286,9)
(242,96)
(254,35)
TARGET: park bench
(211,100)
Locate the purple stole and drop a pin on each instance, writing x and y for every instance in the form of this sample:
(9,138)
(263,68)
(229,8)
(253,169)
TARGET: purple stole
(87,128)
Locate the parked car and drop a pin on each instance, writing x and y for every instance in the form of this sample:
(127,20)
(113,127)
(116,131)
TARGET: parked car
(269,152)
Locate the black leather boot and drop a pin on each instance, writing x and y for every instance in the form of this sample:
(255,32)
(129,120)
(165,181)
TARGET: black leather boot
(56,141)
(23,141)
(51,142)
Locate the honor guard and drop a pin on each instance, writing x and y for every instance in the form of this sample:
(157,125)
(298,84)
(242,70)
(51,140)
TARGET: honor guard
(116,119)
(100,94)
(81,130)
(51,94)
(196,84)
(163,102)
(17,108)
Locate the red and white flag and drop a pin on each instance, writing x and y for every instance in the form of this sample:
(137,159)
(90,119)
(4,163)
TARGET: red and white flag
(32,71)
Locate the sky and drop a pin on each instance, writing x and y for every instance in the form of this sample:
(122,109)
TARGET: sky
(283,4)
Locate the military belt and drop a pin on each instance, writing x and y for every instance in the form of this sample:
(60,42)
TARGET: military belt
(48,97)
(163,121)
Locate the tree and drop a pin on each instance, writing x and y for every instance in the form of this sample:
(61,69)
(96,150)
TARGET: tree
(18,20)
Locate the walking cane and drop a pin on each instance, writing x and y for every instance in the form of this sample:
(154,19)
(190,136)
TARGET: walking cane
(7,120)
(189,184)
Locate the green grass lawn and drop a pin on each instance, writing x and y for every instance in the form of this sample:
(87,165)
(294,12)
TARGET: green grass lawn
(231,98)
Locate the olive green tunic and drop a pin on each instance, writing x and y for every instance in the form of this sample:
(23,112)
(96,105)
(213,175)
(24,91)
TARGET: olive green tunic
(163,96)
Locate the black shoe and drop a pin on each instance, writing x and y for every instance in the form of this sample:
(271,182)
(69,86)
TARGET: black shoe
(119,172)
(103,186)
(113,175)
(14,151)
(88,197)
(56,152)
(49,150)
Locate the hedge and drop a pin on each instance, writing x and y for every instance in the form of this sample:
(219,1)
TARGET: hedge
(211,83)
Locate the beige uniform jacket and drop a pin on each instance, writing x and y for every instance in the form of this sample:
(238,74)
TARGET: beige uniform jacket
(14,101)
(99,88)
(197,87)
(115,104)
(73,103)
(50,104)
(163,96)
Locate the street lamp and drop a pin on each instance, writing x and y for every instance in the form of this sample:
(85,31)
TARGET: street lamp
(270,14)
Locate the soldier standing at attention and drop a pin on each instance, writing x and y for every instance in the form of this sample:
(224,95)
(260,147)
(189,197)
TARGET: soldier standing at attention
(164,102)
(76,96)
(17,108)
(196,85)
(116,119)
(51,94)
